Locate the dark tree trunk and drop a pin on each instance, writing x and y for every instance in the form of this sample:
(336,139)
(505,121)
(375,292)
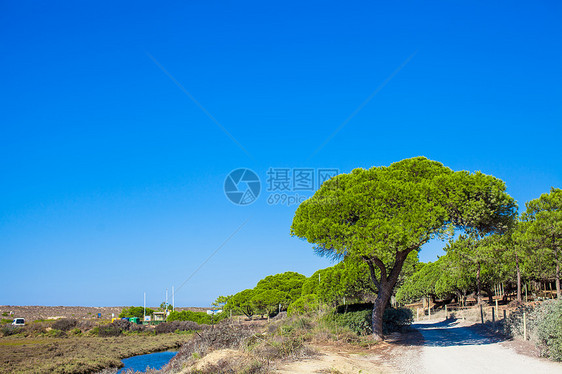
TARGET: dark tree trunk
(378,310)
(519,299)
(385,286)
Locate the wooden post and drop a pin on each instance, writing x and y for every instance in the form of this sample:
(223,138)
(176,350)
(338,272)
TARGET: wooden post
(524,326)
(493,316)
(504,314)
(446,314)
(497,309)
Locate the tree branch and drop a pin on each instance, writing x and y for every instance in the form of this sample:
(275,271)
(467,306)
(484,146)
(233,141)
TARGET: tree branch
(372,271)
(381,267)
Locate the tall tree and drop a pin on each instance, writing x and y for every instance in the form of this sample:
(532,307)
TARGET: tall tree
(382,214)
(544,231)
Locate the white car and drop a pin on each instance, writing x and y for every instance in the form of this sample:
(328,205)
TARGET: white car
(18,322)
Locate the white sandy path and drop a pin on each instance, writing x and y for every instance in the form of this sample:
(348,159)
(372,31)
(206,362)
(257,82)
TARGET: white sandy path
(453,348)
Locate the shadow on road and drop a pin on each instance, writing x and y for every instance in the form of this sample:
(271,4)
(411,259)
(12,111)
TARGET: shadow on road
(449,333)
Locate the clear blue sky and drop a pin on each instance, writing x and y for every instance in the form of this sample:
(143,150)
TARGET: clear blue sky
(111,176)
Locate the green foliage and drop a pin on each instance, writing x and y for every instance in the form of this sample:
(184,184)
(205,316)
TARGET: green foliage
(54,333)
(543,230)
(360,321)
(108,330)
(10,330)
(268,300)
(347,280)
(198,317)
(385,210)
(544,327)
(6,320)
(221,301)
(422,283)
(549,329)
(289,283)
(241,303)
(135,311)
(304,305)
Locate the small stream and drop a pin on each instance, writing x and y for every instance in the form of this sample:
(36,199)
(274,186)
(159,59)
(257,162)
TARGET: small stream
(152,360)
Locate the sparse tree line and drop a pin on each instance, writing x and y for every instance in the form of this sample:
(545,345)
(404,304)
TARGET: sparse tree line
(528,252)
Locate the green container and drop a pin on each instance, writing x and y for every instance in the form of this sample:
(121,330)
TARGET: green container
(134,320)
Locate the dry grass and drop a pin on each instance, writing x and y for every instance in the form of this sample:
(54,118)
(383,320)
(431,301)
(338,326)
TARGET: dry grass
(85,354)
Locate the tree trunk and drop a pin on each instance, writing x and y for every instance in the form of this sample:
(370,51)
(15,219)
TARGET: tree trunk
(519,299)
(378,309)
(478,286)
(385,287)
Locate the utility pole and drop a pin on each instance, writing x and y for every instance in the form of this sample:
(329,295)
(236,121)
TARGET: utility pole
(166,302)
(144,308)
(173,299)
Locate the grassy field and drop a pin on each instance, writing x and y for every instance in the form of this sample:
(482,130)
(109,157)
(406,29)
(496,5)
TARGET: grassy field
(81,354)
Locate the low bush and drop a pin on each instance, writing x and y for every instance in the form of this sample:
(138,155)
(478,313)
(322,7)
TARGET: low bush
(36,328)
(65,324)
(109,330)
(6,321)
(54,333)
(544,327)
(198,317)
(10,330)
(359,319)
(304,305)
(394,319)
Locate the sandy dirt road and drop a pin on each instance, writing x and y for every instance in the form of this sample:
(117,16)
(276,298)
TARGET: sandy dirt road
(451,347)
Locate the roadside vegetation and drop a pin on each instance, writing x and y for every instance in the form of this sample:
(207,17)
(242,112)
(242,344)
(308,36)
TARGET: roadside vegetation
(73,346)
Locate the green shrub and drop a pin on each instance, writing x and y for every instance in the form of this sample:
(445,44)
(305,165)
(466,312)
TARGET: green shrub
(5,314)
(54,333)
(9,330)
(5,321)
(303,305)
(197,317)
(359,320)
(394,319)
(135,311)
(548,319)
(110,330)
(65,324)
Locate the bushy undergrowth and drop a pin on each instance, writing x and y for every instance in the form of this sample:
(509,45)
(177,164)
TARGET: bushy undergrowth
(544,327)
(359,319)
(10,330)
(304,305)
(197,317)
(65,324)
